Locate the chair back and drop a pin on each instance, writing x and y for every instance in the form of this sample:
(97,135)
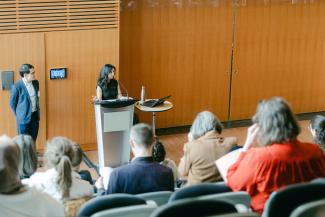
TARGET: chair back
(284,201)
(199,190)
(193,208)
(249,214)
(160,197)
(129,211)
(241,199)
(311,209)
(108,202)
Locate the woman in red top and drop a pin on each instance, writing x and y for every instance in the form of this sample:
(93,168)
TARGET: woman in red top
(272,156)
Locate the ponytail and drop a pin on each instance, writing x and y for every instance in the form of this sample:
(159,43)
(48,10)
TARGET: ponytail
(64,179)
(59,153)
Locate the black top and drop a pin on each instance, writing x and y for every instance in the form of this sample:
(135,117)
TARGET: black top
(140,176)
(109,91)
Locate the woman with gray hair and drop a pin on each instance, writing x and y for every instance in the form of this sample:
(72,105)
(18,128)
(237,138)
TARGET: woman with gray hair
(272,156)
(60,181)
(204,147)
(28,156)
(16,199)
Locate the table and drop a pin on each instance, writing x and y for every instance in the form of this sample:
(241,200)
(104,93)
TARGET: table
(160,108)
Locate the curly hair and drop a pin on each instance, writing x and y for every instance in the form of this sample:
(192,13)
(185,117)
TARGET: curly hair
(158,152)
(317,123)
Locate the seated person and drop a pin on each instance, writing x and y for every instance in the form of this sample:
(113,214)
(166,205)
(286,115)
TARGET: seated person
(76,161)
(142,174)
(16,199)
(204,147)
(317,129)
(60,181)
(272,156)
(159,154)
(28,156)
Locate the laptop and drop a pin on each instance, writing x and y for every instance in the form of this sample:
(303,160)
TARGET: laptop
(155,102)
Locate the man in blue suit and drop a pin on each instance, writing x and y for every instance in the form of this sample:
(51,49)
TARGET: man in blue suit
(142,174)
(24,101)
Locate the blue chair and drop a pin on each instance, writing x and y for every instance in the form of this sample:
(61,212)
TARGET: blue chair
(159,197)
(108,202)
(199,190)
(284,201)
(240,199)
(193,208)
(311,209)
(129,211)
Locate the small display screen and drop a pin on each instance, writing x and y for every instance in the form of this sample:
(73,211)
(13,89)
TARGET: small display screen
(58,73)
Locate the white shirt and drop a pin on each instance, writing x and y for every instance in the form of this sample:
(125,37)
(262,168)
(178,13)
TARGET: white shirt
(32,93)
(29,203)
(46,182)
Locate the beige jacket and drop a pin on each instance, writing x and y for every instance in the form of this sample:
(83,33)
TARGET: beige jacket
(197,163)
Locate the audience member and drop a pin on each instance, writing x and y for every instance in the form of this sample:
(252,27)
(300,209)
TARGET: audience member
(272,157)
(28,156)
(76,161)
(159,154)
(60,181)
(18,200)
(317,129)
(142,174)
(204,147)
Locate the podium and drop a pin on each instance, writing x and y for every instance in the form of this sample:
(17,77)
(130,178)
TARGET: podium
(114,119)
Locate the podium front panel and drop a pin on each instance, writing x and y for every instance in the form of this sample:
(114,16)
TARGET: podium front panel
(113,127)
(121,121)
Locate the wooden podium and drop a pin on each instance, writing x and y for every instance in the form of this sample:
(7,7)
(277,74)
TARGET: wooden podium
(114,119)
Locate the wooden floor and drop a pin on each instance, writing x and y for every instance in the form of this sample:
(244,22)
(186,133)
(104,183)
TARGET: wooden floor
(174,143)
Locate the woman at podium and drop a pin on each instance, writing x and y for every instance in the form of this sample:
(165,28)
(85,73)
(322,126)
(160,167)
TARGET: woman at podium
(107,85)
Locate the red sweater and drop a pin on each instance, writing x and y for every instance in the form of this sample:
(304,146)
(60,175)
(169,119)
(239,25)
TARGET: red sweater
(260,171)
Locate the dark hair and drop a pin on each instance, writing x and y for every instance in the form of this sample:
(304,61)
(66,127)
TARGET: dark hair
(317,123)
(25,69)
(106,69)
(158,152)
(276,121)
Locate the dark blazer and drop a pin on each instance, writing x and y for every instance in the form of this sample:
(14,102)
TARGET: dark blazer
(140,176)
(20,102)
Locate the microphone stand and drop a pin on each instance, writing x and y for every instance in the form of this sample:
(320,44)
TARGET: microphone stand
(127,95)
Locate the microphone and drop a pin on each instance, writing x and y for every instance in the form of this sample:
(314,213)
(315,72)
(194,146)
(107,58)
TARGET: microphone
(126,91)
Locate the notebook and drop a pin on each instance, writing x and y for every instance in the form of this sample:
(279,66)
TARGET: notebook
(155,102)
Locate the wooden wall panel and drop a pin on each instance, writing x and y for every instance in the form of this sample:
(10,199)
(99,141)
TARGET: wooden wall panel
(17,49)
(280,51)
(70,112)
(180,50)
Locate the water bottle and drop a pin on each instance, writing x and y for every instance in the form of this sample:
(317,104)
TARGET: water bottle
(143,96)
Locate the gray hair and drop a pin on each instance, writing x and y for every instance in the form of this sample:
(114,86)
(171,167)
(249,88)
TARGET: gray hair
(28,156)
(9,160)
(59,153)
(276,121)
(142,135)
(204,122)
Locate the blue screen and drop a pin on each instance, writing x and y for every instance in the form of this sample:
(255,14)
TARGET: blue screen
(59,73)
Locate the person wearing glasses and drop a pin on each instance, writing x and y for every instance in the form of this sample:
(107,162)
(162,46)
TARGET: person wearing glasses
(24,101)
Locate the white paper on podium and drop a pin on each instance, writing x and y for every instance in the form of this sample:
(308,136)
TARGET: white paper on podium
(226,161)
(116,121)
(105,172)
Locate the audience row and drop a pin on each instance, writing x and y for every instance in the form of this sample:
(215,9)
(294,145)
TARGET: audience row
(271,158)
